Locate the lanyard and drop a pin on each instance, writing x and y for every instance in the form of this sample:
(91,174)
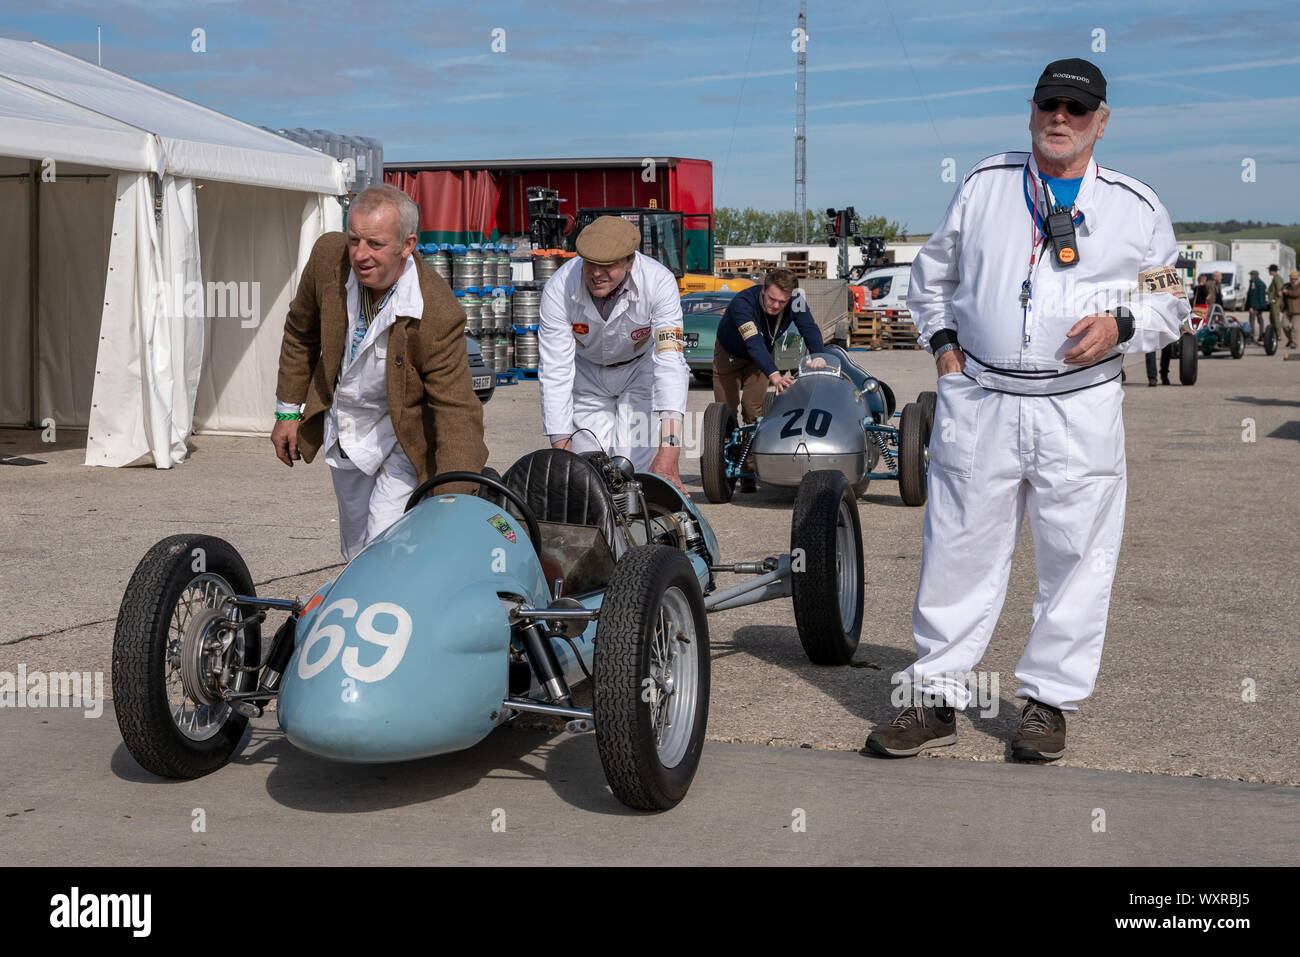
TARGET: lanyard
(1038,236)
(367,312)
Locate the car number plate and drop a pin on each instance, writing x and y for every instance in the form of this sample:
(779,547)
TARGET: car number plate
(481,382)
(692,339)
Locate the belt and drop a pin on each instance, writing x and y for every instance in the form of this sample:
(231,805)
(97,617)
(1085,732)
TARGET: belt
(615,365)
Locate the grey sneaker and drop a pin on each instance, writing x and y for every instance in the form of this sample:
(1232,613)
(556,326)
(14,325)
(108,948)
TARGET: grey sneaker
(912,731)
(1041,736)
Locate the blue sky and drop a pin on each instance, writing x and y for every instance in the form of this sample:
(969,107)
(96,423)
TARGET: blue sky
(894,88)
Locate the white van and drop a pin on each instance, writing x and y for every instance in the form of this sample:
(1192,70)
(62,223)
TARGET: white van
(886,288)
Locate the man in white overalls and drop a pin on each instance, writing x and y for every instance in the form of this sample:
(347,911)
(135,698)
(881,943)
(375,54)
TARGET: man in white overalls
(611,368)
(1045,270)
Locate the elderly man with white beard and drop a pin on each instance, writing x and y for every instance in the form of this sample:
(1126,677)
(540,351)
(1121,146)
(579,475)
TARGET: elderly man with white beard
(1046,269)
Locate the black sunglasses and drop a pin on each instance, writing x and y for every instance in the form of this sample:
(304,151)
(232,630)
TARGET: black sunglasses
(1074,107)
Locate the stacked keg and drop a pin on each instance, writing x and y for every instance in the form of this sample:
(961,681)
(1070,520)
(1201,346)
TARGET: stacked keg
(438,258)
(526,304)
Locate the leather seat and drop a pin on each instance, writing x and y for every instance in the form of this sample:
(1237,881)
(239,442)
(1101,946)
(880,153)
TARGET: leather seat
(560,486)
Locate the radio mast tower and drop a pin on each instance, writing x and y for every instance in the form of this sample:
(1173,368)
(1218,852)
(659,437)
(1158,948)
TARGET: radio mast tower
(801,124)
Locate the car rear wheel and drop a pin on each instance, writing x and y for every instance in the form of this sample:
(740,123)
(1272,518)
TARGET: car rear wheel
(913,454)
(719,426)
(1270,340)
(651,671)
(176,647)
(826,567)
(1236,342)
(1187,359)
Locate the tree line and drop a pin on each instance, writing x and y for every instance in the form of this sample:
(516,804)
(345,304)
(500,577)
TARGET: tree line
(1229,226)
(744,227)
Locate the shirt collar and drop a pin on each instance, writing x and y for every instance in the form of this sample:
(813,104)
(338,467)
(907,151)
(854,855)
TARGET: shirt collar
(1085,202)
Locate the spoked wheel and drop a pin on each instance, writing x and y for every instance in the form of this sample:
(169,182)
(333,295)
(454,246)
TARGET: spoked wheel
(1269,340)
(719,426)
(176,647)
(651,688)
(1236,342)
(826,574)
(913,454)
(1187,358)
(768,398)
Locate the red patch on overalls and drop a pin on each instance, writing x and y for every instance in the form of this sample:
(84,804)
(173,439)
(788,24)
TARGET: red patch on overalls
(581,328)
(639,334)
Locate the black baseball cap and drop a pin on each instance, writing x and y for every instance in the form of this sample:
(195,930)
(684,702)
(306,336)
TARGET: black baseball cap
(1073,78)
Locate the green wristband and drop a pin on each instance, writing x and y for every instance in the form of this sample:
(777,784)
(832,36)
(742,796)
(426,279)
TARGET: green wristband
(288,416)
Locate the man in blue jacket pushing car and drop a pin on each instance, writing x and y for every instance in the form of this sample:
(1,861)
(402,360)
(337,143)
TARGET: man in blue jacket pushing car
(742,354)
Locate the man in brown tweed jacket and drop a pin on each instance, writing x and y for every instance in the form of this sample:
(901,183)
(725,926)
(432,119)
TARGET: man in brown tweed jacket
(374,370)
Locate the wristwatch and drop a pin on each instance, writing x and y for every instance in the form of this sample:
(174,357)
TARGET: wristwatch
(949,347)
(671,440)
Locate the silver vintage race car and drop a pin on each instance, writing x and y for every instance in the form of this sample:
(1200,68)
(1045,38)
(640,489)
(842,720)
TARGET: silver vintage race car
(835,416)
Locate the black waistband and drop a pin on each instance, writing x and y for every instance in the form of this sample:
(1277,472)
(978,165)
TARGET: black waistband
(615,365)
(1039,375)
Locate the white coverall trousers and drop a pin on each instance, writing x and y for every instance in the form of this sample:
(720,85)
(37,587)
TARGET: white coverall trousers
(614,403)
(368,504)
(993,457)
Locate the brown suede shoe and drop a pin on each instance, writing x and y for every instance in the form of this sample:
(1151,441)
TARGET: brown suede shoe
(1041,736)
(912,731)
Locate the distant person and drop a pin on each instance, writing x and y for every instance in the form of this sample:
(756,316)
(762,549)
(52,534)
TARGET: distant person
(1291,317)
(1214,290)
(1256,303)
(1275,285)
(1202,290)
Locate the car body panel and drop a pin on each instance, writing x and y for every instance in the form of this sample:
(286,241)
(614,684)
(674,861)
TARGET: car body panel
(350,693)
(814,424)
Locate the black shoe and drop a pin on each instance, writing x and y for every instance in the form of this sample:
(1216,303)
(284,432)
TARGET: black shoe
(1041,736)
(913,730)
(1164,379)
(746,485)
(1151,383)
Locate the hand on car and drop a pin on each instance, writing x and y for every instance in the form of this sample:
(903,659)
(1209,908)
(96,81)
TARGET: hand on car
(1100,332)
(781,382)
(284,436)
(816,362)
(665,466)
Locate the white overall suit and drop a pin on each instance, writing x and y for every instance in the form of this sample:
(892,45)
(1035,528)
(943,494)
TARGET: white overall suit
(1020,431)
(614,377)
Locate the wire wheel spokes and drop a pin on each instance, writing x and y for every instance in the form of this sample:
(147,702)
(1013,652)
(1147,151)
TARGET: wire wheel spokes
(194,719)
(674,677)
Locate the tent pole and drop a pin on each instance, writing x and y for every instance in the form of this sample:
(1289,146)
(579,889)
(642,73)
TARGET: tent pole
(34,288)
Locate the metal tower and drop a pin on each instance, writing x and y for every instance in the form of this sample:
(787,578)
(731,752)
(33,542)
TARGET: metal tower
(801,123)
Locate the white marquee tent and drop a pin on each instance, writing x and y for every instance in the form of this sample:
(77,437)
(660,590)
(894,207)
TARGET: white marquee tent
(150,248)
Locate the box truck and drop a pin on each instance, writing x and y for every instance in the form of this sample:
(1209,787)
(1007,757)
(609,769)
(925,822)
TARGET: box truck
(1259,254)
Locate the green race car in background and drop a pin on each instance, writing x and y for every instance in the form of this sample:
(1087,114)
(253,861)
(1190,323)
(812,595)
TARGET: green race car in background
(701,313)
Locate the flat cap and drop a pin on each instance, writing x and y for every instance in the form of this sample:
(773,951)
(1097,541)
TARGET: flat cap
(607,240)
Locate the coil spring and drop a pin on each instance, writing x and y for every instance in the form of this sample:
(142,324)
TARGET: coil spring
(887,455)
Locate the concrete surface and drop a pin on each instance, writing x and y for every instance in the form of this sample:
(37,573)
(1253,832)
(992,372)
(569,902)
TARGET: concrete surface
(89,803)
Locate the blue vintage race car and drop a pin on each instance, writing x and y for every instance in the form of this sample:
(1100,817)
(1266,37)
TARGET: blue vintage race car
(473,609)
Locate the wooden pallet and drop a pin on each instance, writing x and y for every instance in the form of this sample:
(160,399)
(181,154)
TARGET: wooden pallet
(872,333)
